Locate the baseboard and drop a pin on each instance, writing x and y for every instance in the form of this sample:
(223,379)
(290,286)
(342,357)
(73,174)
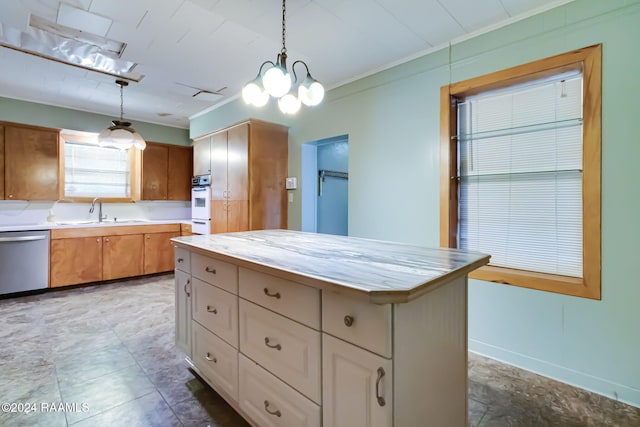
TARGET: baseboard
(612,390)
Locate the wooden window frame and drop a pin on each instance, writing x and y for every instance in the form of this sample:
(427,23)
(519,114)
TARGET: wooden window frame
(589,61)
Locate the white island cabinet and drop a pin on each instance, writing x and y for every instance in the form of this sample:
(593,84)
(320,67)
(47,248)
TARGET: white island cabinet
(307,330)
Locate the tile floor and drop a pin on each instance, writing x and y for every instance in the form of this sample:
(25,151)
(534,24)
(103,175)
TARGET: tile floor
(107,352)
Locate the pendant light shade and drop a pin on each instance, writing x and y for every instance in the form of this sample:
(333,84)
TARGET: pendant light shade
(276,81)
(120,134)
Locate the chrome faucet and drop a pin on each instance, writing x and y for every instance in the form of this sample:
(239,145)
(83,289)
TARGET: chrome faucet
(93,205)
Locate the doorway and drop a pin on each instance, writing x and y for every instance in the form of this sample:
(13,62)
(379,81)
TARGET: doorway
(325,164)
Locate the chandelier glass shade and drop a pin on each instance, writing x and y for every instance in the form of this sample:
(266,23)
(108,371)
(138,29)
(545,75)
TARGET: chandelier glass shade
(120,134)
(276,81)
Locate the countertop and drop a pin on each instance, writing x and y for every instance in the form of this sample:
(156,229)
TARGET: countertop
(85,224)
(385,272)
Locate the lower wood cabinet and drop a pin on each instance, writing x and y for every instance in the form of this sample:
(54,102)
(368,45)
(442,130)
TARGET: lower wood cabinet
(92,254)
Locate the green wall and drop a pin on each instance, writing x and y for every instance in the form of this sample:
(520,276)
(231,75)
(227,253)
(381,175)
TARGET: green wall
(392,119)
(12,110)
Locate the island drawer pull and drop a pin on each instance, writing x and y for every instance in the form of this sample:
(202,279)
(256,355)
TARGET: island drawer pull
(185,288)
(276,346)
(210,359)
(348,321)
(212,309)
(267,293)
(277,412)
(210,270)
(381,400)
(180,260)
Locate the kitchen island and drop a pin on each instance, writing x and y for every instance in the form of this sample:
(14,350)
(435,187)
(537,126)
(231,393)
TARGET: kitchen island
(305,329)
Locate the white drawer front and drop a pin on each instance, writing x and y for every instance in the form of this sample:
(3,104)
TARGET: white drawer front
(270,402)
(216,360)
(288,349)
(182,259)
(291,299)
(216,310)
(359,322)
(219,273)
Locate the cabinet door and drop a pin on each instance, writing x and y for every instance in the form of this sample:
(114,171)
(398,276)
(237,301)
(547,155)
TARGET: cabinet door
(237,215)
(31,163)
(76,260)
(219,216)
(158,252)
(202,156)
(155,160)
(219,166)
(179,173)
(183,311)
(237,163)
(1,162)
(122,256)
(353,381)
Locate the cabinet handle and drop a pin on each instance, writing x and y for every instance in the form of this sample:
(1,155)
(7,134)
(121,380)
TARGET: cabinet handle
(180,260)
(381,400)
(11,196)
(185,288)
(277,346)
(277,412)
(212,310)
(276,295)
(106,240)
(209,358)
(348,320)
(210,270)
(97,240)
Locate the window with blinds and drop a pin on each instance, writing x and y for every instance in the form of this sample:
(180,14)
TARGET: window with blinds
(94,171)
(520,175)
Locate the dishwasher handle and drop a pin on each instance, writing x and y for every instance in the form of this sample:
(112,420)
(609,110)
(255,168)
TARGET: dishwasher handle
(21,239)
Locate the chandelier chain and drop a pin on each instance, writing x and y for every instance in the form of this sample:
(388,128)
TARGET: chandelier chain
(121,103)
(284,31)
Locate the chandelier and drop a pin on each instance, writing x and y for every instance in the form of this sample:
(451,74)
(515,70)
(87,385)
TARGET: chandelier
(120,134)
(276,81)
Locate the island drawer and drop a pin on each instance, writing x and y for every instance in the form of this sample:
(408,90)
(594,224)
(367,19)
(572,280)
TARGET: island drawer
(218,273)
(216,360)
(216,310)
(357,321)
(182,259)
(291,299)
(287,349)
(270,402)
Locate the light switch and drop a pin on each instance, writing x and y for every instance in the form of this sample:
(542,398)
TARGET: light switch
(291,183)
(290,197)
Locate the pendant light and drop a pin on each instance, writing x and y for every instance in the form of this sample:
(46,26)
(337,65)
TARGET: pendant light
(120,134)
(276,81)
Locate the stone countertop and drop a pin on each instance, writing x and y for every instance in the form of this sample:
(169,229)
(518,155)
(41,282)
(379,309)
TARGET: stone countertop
(85,224)
(385,272)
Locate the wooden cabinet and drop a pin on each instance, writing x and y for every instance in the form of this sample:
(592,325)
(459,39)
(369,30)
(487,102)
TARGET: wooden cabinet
(356,386)
(75,260)
(83,255)
(31,163)
(248,167)
(158,252)
(1,162)
(166,172)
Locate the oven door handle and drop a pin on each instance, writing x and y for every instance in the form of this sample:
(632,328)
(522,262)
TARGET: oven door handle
(199,222)
(198,189)
(21,239)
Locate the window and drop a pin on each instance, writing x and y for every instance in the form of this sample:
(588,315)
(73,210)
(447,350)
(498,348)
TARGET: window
(520,172)
(94,171)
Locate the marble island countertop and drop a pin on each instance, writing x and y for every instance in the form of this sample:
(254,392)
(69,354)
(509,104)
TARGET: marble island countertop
(385,272)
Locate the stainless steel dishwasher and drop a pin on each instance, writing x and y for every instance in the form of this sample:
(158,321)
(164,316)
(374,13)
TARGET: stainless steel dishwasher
(24,261)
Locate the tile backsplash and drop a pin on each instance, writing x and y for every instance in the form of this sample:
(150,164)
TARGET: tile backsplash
(27,213)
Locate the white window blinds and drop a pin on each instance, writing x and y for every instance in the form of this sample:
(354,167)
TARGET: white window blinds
(94,171)
(520,172)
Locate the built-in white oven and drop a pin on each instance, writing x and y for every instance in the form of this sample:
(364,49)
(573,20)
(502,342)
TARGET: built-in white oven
(201,204)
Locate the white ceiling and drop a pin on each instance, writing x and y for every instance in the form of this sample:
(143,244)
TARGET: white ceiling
(210,44)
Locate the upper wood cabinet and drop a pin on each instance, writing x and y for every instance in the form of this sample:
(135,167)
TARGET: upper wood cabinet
(202,156)
(31,162)
(248,165)
(166,172)
(1,162)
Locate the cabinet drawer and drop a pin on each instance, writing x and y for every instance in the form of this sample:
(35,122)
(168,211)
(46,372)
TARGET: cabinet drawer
(270,402)
(291,299)
(288,349)
(359,322)
(216,310)
(182,259)
(219,273)
(216,360)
